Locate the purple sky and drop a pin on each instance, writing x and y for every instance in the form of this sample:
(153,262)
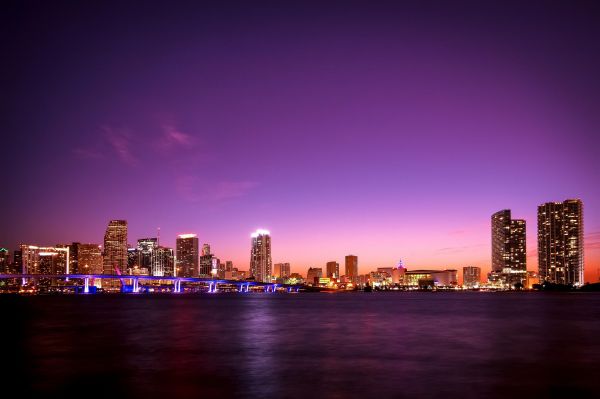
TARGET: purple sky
(386,131)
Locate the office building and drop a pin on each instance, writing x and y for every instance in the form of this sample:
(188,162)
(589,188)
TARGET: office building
(333,269)
(206,260)
(560,242)
(4,261)
(115,247)
(313,275)
(162,262)
(351,265)
(187,255)
(281,270)
(471,276)
(145,251)
(260,256)
(89,259)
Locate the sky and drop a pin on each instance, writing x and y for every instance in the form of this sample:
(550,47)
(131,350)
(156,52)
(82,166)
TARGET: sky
(388,131)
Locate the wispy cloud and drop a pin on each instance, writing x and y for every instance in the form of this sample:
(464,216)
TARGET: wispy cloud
(195,189)
(232,189)
(84,153)
(120,142)
(173,137)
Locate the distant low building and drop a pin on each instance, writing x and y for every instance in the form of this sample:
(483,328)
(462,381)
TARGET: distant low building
(440,278)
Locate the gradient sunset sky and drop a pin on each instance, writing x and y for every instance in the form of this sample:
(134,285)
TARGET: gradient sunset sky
(382,130)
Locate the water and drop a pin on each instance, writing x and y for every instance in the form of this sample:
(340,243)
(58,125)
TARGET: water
(306,345)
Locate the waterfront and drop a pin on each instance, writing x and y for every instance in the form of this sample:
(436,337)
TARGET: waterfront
(340,345)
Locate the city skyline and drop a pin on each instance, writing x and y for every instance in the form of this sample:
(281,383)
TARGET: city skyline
(500,221)
(387,131)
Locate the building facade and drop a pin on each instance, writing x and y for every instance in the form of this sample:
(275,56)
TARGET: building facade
(313,275)
(187,255)
(560,242)
(145,251)
(471,276)
(260,256)
(281,270)
(351,266)
(333,269)
(162,262)
(115,247)
(89,259)
(509,249)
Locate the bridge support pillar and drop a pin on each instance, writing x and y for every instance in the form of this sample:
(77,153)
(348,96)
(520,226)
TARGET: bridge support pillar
(176,286)
(136,285)
(86,285)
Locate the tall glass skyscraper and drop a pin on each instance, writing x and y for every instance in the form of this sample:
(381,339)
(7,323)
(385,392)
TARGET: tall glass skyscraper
(260,256)
(509,249)
(560,242)
(187,255)
(115,247)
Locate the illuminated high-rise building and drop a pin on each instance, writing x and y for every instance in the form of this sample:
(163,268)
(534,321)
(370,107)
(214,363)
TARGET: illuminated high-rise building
(187,255)
(74,258)
(281,270)
(333,269)
(351,266)
(45,260)
(89,259)
(145,248)
(471,276)
(260,256)
(560,242)
(4,261)
(509,250)
(162,262)
(115,247)
(206,261)
(17,262)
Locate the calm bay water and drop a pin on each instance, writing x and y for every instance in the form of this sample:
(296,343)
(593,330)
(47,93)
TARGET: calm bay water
(321,345)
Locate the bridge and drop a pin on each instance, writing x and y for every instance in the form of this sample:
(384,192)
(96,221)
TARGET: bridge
(213,284)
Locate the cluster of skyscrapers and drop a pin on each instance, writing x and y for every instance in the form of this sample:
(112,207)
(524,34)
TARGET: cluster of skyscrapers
(560,245)
(559,235)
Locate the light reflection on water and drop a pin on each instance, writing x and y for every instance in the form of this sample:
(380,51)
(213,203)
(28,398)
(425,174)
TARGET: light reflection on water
(335,346)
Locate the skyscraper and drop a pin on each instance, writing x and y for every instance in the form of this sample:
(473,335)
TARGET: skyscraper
(187,255)
(205,261)
(74,258)
(281,270)
(4,261)
(351,265)
(509,250)
(260,256)
(115,247)
(17,263)
(333,269)
(89,259)
(471,276)
(560,242)
(144,250)
(162,262)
